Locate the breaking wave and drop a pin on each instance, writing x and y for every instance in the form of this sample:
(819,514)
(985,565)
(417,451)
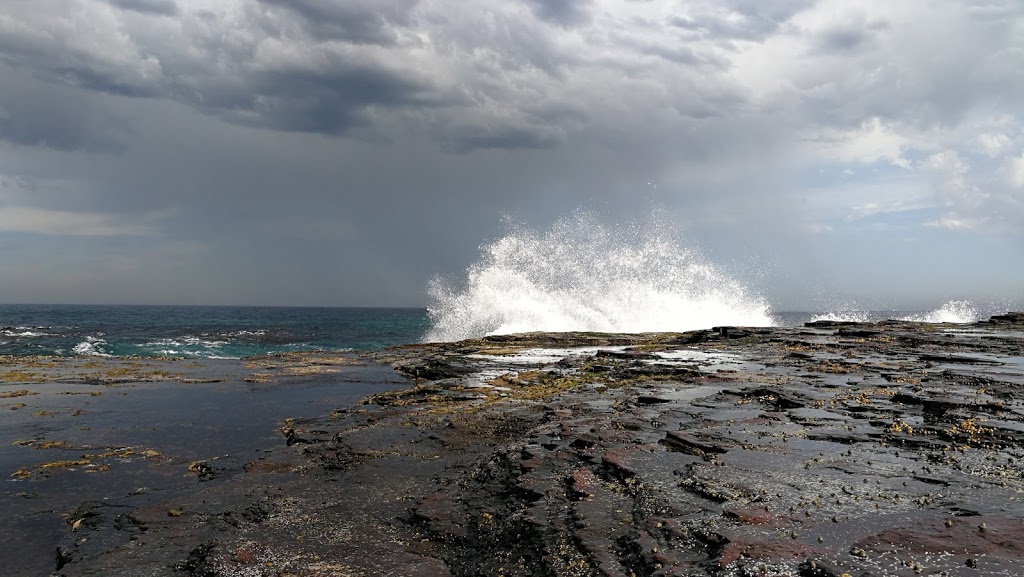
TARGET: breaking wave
(583,276)
(22,332)
(91,346)
(954,311)
(844,311)
(845,316)
(950,312)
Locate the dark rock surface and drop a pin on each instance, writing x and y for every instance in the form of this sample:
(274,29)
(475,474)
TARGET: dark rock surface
(828,450)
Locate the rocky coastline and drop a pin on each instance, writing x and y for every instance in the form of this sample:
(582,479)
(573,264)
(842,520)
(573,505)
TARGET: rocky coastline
(834,449)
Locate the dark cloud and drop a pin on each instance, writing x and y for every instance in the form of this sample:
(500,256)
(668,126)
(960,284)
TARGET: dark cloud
(849,36)
(93,65)
(158,7)
(329,102)
(33,113)
(89,78)
(501,137)
(267,73)
(843,39)
(363,146)
(562,12)
(357,21)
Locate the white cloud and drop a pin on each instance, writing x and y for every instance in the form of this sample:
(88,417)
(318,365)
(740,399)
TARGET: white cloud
(958,224)
(992,144)
(951,182)
(873,141)
(984,201)
(1017,172)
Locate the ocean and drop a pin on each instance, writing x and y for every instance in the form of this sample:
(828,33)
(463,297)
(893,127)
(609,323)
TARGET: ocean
(212,332)
(230,332)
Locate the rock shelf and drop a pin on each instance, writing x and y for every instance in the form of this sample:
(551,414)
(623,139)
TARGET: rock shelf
(833,449)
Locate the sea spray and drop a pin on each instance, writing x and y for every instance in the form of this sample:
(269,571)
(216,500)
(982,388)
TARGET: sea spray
(843,311)
(951,312)
(846,316)
(584,276)
(954,311)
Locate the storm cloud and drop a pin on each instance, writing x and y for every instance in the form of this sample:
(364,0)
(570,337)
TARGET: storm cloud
(325,152)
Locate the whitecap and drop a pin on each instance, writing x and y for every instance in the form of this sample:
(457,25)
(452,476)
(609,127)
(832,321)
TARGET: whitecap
(244,333)
(186,341)
(24,333)
(90,347)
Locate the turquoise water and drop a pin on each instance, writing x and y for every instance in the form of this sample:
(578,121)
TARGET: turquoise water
(200,331)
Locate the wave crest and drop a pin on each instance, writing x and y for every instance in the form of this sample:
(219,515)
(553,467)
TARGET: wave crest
(583,276)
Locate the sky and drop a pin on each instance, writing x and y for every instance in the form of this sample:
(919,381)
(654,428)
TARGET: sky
(342,153)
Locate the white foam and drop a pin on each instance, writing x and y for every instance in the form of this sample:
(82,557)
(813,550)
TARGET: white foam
(90,347)
(244,333)
(23,333)
(583,276)
(842,316)
(961,312)
(187,341)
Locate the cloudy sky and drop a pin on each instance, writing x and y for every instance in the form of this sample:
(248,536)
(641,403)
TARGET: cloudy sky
(342,152)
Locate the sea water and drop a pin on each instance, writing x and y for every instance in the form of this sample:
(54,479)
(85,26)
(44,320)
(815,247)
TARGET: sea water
(214,332)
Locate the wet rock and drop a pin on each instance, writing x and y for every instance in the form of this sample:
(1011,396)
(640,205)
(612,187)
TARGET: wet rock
(265,467)
(779,398)
(809,452)
(966,536)
(749,514)
(620,462)
(820,568)
(201,468)
(734,332)
(651,400)
(437,368)
(830,324)
(956,359)
(198,563)
(443,516)
(687,443)
(1015,318)
(625,355)
(860,333)
(766,550)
